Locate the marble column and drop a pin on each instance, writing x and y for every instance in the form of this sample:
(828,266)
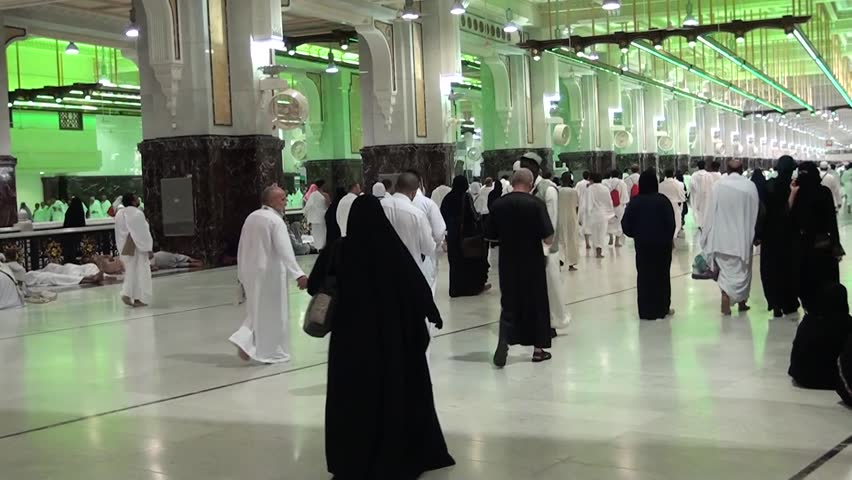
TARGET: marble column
(653,113)
(8,189)
(205,117)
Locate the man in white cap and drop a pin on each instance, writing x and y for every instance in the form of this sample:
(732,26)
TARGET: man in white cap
(833,184)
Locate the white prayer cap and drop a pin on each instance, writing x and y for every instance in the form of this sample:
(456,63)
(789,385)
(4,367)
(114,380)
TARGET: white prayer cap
(534,157)
(516,166)
(823,166)
(379,190)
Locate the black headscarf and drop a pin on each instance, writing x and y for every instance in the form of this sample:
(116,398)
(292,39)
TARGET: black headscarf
(332,228)
(759,181)
(456,202)
(75,217)
(835,301)
(648,183)
(495,194)
(382,299)
(785,168)
(809,178)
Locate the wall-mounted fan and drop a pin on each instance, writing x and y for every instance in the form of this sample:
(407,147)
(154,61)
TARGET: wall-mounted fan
(665,143)
(289,109)
(299,150)
(561,135)
(622,138)
(719,148)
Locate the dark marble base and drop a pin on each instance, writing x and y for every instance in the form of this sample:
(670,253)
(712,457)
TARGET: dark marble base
(496,163)
(86,187)
(228,175)
(8,191)
(337,173)
(675,162)
(434,161)
(628,160)
(599,162)
(693,161)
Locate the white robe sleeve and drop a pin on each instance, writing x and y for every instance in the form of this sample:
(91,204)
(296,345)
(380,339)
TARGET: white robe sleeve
(427,243)
(552,202)
(436,220)
(283,247)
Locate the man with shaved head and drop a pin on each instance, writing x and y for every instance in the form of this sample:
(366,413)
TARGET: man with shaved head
(266,264)
(520,222)
(727,235)
(410,222)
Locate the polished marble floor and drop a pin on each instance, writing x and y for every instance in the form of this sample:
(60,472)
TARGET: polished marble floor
(92,390)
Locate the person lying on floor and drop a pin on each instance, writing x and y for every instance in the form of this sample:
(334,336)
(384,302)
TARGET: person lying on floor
(166,261)
(54,275)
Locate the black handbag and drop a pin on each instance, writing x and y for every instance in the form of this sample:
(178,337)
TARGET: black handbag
(320,311)
(473,246)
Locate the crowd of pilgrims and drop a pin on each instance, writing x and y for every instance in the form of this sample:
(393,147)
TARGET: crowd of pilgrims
(59,210)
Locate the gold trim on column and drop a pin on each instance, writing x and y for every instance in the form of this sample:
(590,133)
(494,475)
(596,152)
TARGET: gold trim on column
(356,135)
(220,72)
(528,100)
(419,81)
(387,31)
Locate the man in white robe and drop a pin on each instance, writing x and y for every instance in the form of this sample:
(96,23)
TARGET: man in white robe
(438,228)
(846,181)
(10,294)
(583,192)
(55,275)
(439,193)
(568,227)
(546,190)
(481,203)
(266,263)
(700,190)
(674,191)
(632,179)
(727,238)
(345,205)
(598,212)
(315,208)
(410,222)
(618,189)
(134,242)
(833,183)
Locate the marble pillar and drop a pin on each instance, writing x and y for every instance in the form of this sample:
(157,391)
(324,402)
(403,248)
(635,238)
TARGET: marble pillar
(228,175)
(434,162)
(337,173)
(595,162)
(8,189)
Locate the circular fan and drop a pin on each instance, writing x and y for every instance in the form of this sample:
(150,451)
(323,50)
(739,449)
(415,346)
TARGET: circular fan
(561,134)
(738,149)
(298,149)
(472,154)
(622,138)
(289,109)
(719,148)
(665,143)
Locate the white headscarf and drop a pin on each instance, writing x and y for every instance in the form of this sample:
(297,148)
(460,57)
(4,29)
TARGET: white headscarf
(379,190)
(475,189)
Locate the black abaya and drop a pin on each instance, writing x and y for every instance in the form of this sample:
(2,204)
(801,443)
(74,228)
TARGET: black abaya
(381,422)
(467,275)
(650,220)
(819,246)
(778,265)
(519,221)
(819,341)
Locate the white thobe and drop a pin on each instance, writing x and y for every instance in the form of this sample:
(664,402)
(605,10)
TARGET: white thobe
(617,184)
(343,211)
(265,264)
(674,191)
(438,228)
(507,186)
(632,179)
(55,275)
(728,234)
(10,295)
(481,203)
(130,223)
(413,228)
(833,184)
(439,193)
(583,192)
(598,213)
(559,317)
(846,180)
(315,209)
(168,261)
(700,189)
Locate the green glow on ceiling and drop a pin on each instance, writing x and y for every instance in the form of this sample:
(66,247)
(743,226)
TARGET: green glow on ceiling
(806,44)
(320,52)
(470,59)
(705,75)
(721,50)
(639,78)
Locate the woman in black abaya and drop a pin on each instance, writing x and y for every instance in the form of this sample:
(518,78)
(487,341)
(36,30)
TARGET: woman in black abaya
(468,275)
(650,221)
(778,265)
(819,248)
(332,229)
(380,419)
(820,340)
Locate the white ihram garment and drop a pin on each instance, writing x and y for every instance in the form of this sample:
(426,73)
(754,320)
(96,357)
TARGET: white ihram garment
(559,317)
(617,184)
(412,227)
(266,265)
(675,192)
(583,192)
(54,275)
(343,211)
(439,193)
(833,184)
(598,213)
(314,212)
(728,233)
(130,223)
(439,230)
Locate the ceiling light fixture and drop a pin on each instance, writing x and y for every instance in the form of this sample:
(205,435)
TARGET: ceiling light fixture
(689,20)
(332,67)
(408,12)
(610,5)
(593,55)
(510,26)
(458,8)
(806,44)
(72,49)
(132,28)
(536,55)
(344,44)
(740,38)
